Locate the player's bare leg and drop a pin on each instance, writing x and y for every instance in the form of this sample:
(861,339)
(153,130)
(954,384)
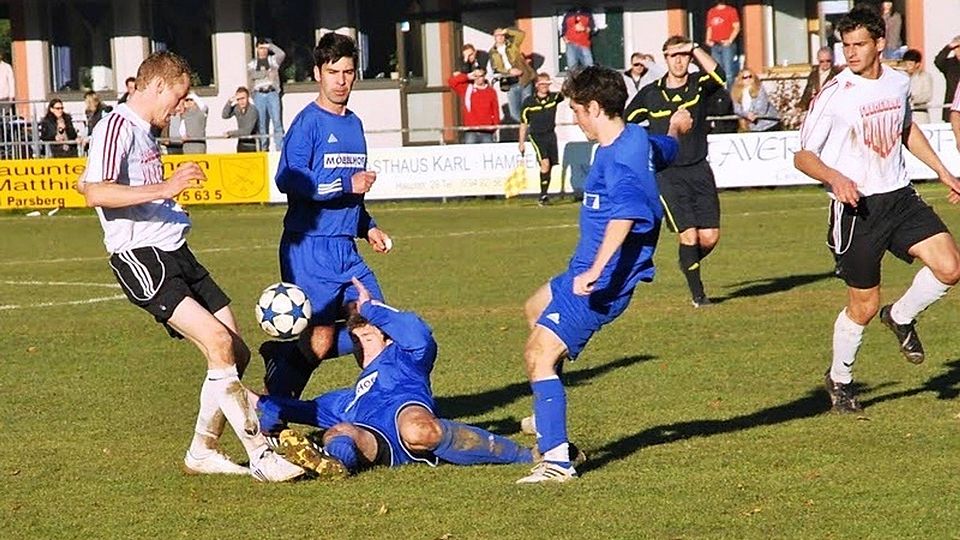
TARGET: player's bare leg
(454,442)
(534,306)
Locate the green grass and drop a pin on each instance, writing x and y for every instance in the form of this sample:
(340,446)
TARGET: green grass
(699,423)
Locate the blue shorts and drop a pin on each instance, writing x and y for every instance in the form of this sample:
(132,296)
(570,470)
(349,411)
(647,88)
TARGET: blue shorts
(573,318)
(382,422)
(322,266)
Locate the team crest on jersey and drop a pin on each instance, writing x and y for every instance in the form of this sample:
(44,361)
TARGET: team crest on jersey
(591,200)
(882,122)
(354,161)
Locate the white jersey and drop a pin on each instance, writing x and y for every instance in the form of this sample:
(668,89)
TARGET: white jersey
(123,150)
(856,126)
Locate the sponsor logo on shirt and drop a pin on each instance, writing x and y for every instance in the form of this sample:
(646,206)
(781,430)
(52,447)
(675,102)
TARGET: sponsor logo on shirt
(363,386)
(333,161)
(882,125)
(332,139)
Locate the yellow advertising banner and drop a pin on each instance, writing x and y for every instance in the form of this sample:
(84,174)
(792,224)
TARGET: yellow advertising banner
(51,183)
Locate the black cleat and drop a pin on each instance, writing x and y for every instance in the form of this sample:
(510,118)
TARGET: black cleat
(842,396)
(543,200)
(701,301)
(906,334)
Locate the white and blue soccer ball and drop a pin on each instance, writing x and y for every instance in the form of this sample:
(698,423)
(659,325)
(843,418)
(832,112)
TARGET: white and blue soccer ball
(283,310)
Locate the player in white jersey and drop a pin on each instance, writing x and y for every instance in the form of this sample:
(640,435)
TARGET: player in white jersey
(144,231)
(852,141)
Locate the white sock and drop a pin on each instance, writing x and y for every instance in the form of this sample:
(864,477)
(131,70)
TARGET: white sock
(558,454)
(224,386)
(925,290)
(209,428)
(847,336)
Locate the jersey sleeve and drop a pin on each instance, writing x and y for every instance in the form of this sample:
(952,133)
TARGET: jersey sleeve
(711,81)
(637,111)
(629,186)
(109,147)
(301,172)
(816,126)
(405,328)
(663,150)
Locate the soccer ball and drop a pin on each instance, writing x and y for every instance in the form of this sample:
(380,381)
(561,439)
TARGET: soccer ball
(283,310)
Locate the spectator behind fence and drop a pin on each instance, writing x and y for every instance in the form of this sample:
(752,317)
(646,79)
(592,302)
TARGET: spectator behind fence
(948,62)
(472,59)
(723,28)
(819,75)
(56,128)
(188,128)
(921,86)
(95,110)
(131,85)
(264,71)
(8,86)
(894,26)
(577,30)
(511,67)
(643,70)
(239,107)
(478,104)
(8,90)
(752,105)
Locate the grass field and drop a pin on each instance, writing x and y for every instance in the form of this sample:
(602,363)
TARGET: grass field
(700,423)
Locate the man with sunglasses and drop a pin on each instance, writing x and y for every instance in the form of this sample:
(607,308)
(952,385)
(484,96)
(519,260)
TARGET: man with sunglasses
(687,187)
(643,70)
(819,76)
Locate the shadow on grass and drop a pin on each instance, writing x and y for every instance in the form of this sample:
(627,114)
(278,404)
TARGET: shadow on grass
(945,385)
(763,287)
(454,407)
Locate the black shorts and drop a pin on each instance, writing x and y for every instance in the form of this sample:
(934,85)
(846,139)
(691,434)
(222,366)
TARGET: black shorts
(158,281)
(895,222)
(689,196)
(545,145)
(382,459)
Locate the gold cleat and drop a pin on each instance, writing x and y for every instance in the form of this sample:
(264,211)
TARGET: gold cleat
(300,450)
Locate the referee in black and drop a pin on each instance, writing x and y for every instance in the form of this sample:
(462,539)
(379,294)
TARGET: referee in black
(687,188)
(538,118)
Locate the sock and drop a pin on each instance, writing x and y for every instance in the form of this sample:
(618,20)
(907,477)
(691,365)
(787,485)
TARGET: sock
(209,427)
(224,385)
(276,411)
(287,369)
(343,448)
(544,183)
(690,266)
(925,290)
(463,444)
(847,336)
(550,408)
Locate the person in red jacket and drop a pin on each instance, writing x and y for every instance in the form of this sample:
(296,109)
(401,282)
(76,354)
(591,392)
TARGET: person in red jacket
(479,105)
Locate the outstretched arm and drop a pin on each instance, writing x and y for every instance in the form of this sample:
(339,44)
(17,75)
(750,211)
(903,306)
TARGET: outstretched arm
(405,328)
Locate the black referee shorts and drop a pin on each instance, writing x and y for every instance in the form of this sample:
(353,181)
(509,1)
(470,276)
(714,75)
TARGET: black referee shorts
(545,145)
(157,281)
(858,237)
(689,196)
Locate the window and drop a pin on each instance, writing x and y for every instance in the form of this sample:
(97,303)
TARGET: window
(292,26)
(185,27)
(80,33)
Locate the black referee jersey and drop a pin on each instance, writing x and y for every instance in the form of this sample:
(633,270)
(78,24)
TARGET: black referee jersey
(540,113)
(656,103)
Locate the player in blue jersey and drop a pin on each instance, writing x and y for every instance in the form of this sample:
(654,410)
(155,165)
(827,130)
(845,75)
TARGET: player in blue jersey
(619,227)
(387,418)
(323,172)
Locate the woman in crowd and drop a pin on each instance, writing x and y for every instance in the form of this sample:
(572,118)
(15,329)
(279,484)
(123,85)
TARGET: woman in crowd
(752,105)
(56,128)
(95,110)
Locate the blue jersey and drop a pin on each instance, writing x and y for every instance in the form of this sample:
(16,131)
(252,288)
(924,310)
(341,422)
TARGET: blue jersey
(399,375)
(621,185)
(321,153)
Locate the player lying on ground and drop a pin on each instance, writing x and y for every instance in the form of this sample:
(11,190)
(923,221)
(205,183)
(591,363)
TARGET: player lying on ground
(388,417)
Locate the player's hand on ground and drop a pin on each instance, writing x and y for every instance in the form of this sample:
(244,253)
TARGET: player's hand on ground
(680,123)
(188,175)
(583,283)
(844,189)
(362,181)
(363,295)
(379,240)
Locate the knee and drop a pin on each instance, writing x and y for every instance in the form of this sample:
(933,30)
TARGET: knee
(688,237)
(709,240)
(536,361)
(863,311)
(421,434)
(338,430)
(316,342)
(948,272)
(220,347)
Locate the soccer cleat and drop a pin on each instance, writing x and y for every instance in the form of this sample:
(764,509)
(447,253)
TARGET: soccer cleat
(701,301)
(577,456)
(906,334)
(214,463)
(301,451)
(528,425)
(272,467)
(543,200)
(549,472)
(842,396)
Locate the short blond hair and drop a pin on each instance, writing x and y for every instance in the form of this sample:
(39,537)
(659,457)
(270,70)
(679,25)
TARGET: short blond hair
(170,67)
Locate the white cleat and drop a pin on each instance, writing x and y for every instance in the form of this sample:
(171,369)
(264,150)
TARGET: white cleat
(528,426)
(546,471)
(272,467)
(214,463)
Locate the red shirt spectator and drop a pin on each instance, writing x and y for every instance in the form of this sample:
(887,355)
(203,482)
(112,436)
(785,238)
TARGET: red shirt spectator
(720,21)
(478,100)
(577,26)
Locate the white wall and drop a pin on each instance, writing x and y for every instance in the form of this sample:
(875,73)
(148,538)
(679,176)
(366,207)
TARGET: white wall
(645,31)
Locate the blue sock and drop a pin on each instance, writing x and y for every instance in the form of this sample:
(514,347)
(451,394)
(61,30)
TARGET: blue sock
(343,448)
(287,370)
(469,445)
(276,411)
(342,344)
(550,408)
